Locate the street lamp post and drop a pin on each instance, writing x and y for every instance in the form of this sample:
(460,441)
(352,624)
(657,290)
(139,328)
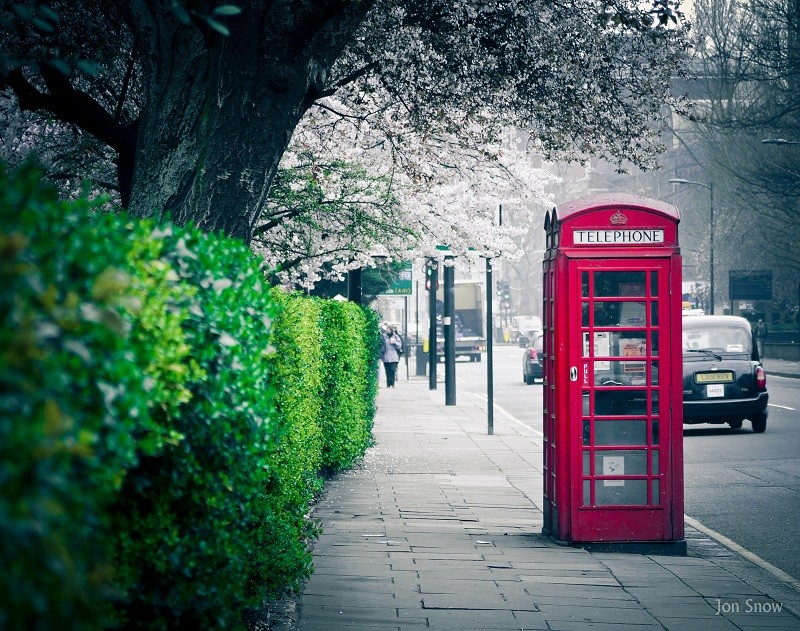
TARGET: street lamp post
(710,187)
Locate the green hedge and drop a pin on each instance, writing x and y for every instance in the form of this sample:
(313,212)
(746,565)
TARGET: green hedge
(164,417)
(323,369)
(190,514)
(352,347)
(79,373)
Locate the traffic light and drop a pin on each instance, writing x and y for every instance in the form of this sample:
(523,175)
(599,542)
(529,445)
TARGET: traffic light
(504,294)
(431,274)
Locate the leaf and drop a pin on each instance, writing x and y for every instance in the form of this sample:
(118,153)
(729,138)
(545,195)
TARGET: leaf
(89,312)
(83,447)
(49,297)
(80,349)
(47,330)
(89,67)
(46,26)
(227,340)
(132,304)
(110,282)
(180,12)
(183,251)
(48,14)
(62,66)
(24,11)
(218,26)
(55,422)
(222,284)
(115,322)
(159,233)
(109,392)
(227,9)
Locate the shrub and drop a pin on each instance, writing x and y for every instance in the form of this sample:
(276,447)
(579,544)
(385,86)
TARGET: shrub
(351,344)
(323,373)
(192,516)
(164,418)
(296,367)
(73,400)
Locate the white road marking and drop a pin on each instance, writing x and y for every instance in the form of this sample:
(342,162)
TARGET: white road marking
(728,543)
(750,556)
(782,407)
(507,414)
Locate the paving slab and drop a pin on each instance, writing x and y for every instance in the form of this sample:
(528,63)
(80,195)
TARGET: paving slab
(694,624)
(440,528)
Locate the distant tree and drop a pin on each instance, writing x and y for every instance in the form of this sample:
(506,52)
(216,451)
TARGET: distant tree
(198,100)
(749,66)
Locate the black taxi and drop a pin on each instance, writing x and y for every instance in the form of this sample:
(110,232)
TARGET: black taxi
(723,379)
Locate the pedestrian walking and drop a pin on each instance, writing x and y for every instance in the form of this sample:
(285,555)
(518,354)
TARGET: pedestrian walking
(761,336)
(390,352)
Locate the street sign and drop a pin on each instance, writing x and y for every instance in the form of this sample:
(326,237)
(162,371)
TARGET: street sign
(400,281)
(750,285)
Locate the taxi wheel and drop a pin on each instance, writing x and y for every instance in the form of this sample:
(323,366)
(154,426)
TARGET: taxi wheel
(759,422)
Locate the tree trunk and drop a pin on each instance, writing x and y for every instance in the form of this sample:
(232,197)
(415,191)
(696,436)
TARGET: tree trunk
(219,111)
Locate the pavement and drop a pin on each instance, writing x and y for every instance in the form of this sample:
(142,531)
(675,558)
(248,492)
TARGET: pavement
(781,367)
(440,528)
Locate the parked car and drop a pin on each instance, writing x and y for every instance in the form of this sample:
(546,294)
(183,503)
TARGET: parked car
(723,379)
(532,361)
(524,339)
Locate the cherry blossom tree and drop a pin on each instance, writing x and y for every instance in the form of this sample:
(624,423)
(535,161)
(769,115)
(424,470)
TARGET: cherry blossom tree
(323,129)
(324,216)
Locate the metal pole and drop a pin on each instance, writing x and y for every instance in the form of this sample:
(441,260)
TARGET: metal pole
(711,271)
(489,351)
(449,333)
(354,285)
(416,311)
(710,187)
(417,346)
(405,334)
(433,357)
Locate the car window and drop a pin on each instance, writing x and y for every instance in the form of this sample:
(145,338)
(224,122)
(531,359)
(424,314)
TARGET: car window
(725,338)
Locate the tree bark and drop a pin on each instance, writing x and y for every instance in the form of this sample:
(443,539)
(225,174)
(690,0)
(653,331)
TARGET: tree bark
(219,111)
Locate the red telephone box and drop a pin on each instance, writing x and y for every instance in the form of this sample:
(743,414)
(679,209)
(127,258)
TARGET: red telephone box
(613,398)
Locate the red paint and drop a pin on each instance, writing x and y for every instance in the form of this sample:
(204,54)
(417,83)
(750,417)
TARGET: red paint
(613,402)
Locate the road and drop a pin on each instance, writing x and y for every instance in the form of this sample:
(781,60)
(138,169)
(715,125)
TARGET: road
(742,485)
(747,486)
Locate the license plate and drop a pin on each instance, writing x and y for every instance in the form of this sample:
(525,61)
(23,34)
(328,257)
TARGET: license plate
(715,390)
(714,377)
